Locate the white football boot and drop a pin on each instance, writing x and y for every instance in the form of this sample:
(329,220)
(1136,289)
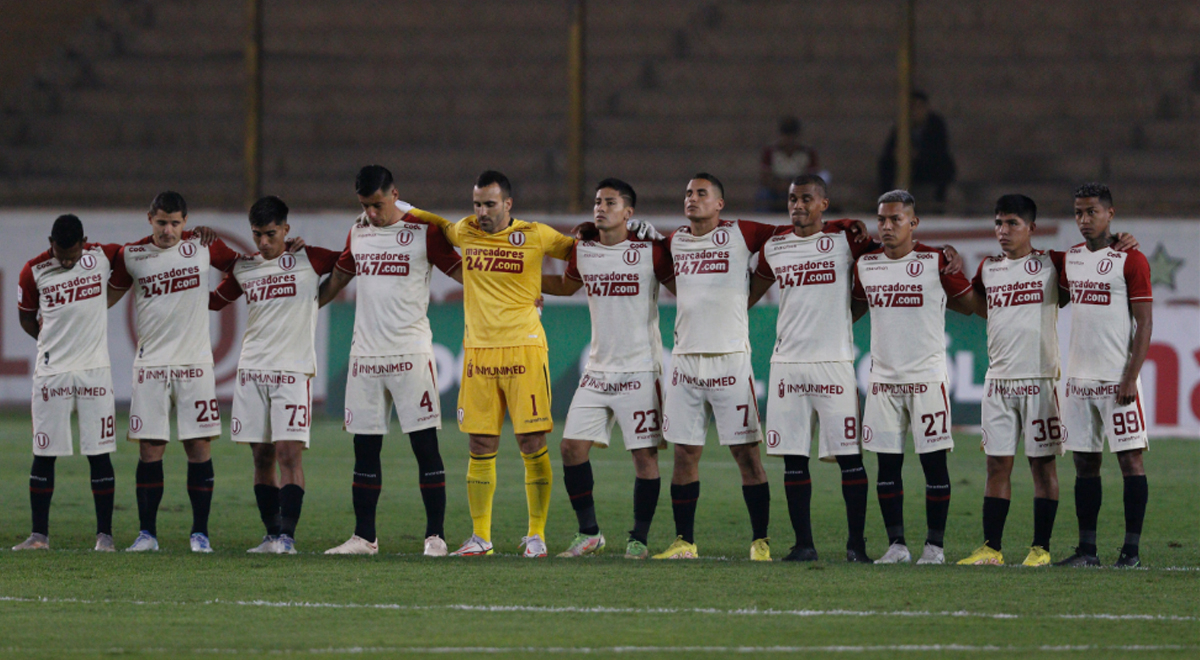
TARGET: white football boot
(357,545)
(897,553)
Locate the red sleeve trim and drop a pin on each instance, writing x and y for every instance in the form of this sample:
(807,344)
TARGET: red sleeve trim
(858,292)
(763,270)
(1137,277)
(573,265)
(756,234)
(119,278)
(664,264)
(220,256)
(323,260)
(439,251)
(28,286)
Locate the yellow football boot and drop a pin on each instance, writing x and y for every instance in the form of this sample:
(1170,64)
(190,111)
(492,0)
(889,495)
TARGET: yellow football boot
(1038,556)
(680,549)
(983,556)
(760,550)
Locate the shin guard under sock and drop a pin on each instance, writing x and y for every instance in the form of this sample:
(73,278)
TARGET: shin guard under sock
(200,492)
(578,480)
(432,479)
(367,483)
(683,505)
(41,490)
(854,492)
(645,502)
(149,478)
(104,488)
(797,488)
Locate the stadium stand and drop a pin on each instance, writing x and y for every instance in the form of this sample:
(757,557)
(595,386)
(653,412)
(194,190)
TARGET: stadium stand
(132,96)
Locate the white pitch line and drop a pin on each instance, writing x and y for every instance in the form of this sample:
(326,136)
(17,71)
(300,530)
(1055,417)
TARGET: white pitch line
(585,650)
(569,609)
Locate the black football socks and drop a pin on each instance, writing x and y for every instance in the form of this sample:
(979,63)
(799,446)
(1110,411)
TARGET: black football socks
(432,479)
(104,488)
(579,482)
(41,490)
(368,482)
(149,494)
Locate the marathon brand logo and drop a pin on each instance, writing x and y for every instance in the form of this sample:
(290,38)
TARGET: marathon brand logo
(381,263)
(588,382)
(252,377)
(496,260)
(806,273)
(270,287)
(1102,392)
(75,289)
(702,383)
(893,389)
(385,369)
(1004,390)
(703,262)
(612,284)
(170,281)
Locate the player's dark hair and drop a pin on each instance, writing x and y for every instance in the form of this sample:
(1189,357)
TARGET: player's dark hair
(898,197)
(67,231)
(372,178)
(789,126)
(492,176)
(711,179)
(1094,189)
(1018,205)
(812,180)
(623,189)
(268,210)
(168,202)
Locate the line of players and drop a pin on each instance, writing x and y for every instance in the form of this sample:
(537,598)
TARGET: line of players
(906,287)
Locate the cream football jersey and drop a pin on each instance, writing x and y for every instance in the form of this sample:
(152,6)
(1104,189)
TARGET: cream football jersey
(73,305)
(1103,284)
(815,275)
(171,290)
(1022,323)
(907,297)
(392,266)
(622,284)
(712,284)
(281,304)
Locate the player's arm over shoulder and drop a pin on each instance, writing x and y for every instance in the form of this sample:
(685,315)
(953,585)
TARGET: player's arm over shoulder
(570,281)
(554,243)
(450,229)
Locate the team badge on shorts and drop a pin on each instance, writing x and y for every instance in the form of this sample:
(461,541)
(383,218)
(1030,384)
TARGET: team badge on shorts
(666,425)
(42,440)
(773,439)
(460,415)
(135,423)
(236,426)
(349,417)
(866,434)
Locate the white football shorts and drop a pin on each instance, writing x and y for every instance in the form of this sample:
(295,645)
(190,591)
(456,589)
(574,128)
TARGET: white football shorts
(606,398)
(271,406)
(192,389)
(721,384)
(894,409)
(1091,416)
(375,384)
(1022,407)
(89,393)
(812,401)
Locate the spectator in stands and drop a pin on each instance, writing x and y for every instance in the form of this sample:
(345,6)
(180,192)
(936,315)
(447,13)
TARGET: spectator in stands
(782,162)
(932,165)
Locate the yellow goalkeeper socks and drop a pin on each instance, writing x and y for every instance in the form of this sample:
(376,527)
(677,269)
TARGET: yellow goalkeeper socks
(538,477)
(481,488)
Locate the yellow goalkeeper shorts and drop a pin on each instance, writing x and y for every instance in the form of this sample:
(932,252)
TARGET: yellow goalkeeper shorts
(516,379)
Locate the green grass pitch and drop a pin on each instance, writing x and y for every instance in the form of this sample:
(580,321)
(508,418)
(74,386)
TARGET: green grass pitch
(70,601)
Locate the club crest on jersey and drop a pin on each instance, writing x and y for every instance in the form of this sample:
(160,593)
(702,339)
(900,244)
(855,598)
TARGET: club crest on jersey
(782,389)
(721,237)
(87,262)
(188,250)
(287,261)
(631,257)
(45,393)
(914,268)
(1104,266)
(773,439)
(517,238)
(236,426)
(349,417)
(404,237)
(866,434)
(824,244)
(42,440)
(135,423)
(1033,266)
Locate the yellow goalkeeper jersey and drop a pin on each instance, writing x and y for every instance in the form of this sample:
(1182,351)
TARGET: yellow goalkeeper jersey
(502,278)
